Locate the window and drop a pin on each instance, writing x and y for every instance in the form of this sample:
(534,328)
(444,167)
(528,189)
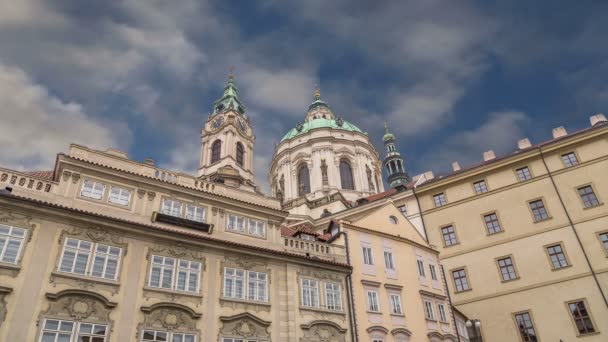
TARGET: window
(460,280)
(256,286)
(236,223)
(403,210)
(420,264)
(393,219)
(439,200)
(346,176)
(174,274)
(92,189)
(373,304)
(239,153)
(158,336)
(54,330)
(171,207)
(91,259)
(523,174)
(588,196)
(119,196)
(525,326)
(195,213)
(428,310)
(367,256)
(333,297)
(480,187)
(581,317)
(239,339)
(449,236)
(604,239)
(557,256)
(303,180)
(492,224)
(11,241)
(388,260)
(395,300)
(569,159)
(433,272)
(507,270)
(538,210)
(256,228)
(442,314)
(216,151)
(307,237)
(310,293)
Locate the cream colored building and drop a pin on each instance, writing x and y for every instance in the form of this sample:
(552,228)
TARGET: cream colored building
(524,238)
(105,248)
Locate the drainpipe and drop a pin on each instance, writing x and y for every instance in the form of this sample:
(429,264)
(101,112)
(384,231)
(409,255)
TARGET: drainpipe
(447,291)
(349,289)
(573,228)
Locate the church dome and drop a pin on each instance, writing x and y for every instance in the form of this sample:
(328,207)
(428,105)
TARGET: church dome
(307,126)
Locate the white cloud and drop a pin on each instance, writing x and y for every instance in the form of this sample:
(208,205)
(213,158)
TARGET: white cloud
(36,125)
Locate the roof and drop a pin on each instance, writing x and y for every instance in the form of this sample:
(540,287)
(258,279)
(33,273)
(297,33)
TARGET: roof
(207,238)
(380,195)
(321,123)
(303,228)
(46,175)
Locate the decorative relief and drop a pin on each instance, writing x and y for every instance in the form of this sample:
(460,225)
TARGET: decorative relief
(4,291)
(66,175)
(151,195)
(95,234)
(245,262)
(78,305)
(323,331)
(141,193)
(23,221)
(245,325)
(75,177)
(318,274)
(179,251)
(57,278)
(171,296)
(169,316)
(324,314)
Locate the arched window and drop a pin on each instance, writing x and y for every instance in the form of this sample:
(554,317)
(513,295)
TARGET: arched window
(239,153)
(346,175)
(216,151)
(303,180)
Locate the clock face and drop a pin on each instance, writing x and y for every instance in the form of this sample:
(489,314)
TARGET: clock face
(242,126)
(217,122)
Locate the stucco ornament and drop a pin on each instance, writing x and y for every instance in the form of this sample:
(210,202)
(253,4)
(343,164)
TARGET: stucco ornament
(79,305)
(171,317)
(245,325)
(323,331)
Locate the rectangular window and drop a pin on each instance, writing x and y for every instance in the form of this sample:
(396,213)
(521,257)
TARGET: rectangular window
(523,174)
(604,240)
(439,200)
(92,189)
(158,336)
(174,274)
(333,296)
(195,213)
(460,280)
(403,210)
(256,228)
(433,272)
(525,326)
(428,310)
(373,304)
(480,187)
(507,270)
(368,258)
(236,223)
(395,300)
(557,256)
(307,237)
(442,313)
(538,210)
(581,317)
(492,224)
(449,236)
(420,264)
(91,259)
(11,242)
(54,330)
(119,196)
(388,260)
(588,196)
(310,293)
(257,285)
(234,283)
(569,159)
(171,207)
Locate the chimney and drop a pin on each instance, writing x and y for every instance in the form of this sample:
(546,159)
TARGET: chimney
(455,166)
(524,143)
(597,119)
(559,132)
(149,161)
(489,155)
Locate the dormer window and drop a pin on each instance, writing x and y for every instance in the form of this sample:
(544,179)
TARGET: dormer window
(308,237)
(92,189)
(171,207)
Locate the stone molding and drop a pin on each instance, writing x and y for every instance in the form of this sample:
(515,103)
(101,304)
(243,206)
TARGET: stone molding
(319,275)
(83,282)
(245,305)
(21,221)
(79,305)
(244,325)
(4,291)
(169,316)
(323,331)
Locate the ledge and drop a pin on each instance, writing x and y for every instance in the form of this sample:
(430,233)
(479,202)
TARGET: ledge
(393,287)
(9,269)
(244,301)
(88,281)
(370,283)
(173,292)
(335,312)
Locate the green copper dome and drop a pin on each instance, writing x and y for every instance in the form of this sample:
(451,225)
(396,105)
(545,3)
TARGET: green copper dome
(387,135)
(321,123)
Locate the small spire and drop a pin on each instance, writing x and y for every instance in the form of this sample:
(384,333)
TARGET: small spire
(317,92)
(231,75)
(385,127)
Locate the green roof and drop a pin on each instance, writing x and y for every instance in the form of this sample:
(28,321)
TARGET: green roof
(321,123)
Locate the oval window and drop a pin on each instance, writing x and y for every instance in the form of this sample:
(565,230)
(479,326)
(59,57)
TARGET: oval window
(393,219)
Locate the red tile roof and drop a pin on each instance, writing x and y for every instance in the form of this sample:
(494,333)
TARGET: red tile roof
(303,228)
(381,195)
(45,175)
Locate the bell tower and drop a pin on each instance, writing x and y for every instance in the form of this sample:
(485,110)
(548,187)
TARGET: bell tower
(395,166)
(227,139)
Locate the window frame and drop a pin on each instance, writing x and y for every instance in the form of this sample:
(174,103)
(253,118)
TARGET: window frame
(95,181)
(391,300)
(245,292)
(466,277)
(589,315)
(245,225)
(500,273)
(8,237)
(389,264)
(215,155)
(366,256)
(519,179)
(443,199)
(603,246)
(563,251)
(582,201)
(181,206)
(443,235)
(498,221)
(429,310)
(168,332)
(369,303)
(197,206)
(121,188)
(92,254)
(403,210)
(531,210)
(316,289)
(443,314)
(239,155)
(303,185)
(576,159)
(532,323)
(483,186)
(350,179)
(339,307)
(433,271)
(420,267)
(75,331)
(174,275)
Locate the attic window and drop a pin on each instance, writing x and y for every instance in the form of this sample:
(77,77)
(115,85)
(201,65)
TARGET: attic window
(393,219)
(307,237)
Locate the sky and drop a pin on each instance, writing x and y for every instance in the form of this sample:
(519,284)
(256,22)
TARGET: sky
(452,78)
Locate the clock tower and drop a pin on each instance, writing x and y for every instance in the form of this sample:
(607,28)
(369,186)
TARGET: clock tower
(227,139)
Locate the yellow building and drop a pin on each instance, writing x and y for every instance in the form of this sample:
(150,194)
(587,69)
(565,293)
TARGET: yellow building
(524,238)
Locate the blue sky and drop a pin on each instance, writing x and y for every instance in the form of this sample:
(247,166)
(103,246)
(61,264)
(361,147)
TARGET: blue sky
(452,78)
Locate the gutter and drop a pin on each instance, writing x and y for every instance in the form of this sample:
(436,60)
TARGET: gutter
(349,282)
(447,291)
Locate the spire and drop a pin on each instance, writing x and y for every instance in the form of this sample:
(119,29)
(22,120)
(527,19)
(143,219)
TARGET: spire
(230,98)
(394,163)
(318,108)
(387,135)
(317,93)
